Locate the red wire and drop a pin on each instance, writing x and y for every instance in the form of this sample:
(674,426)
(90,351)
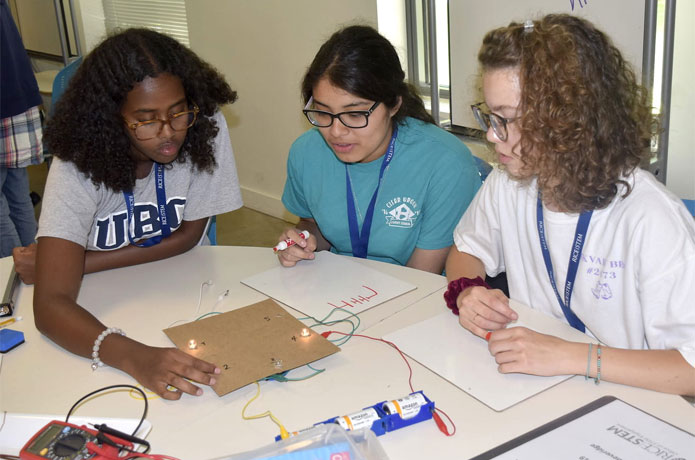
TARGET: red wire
(410,369)
(440,423)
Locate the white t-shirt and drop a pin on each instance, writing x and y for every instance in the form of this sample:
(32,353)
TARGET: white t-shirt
(635,284)
(75,209)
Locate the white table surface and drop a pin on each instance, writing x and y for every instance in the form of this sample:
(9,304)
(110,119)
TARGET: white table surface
(41,378)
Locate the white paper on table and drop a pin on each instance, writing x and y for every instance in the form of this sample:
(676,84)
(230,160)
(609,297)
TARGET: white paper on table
(615,430)
(447,349)
(17,429)
(330,281)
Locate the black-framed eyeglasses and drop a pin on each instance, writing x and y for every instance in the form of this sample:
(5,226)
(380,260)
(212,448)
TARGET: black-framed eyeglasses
(180,121)
(488,119)
(351,119)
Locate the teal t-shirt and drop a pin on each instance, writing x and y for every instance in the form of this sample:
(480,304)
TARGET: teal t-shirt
(425,190)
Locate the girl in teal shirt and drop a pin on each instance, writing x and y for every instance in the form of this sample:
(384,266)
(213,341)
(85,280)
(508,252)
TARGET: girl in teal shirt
(375,177)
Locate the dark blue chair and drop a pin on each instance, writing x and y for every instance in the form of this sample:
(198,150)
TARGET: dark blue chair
(61,81)
(484,167)
(690,204)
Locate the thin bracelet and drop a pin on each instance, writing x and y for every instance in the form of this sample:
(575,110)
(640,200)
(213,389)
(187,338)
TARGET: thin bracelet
(96,361)
(597,380)
(588,362)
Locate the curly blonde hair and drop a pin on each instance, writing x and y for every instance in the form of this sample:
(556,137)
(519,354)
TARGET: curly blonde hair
(585,122)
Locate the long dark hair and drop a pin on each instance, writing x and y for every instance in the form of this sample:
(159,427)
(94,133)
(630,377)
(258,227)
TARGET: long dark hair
(364,63)
(87,128)
(585,121)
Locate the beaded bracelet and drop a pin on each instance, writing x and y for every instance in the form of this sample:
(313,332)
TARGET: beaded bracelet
(588,362)
(597,380)
(457,286)
(96,361)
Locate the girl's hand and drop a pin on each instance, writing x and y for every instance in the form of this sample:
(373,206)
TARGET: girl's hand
(25,262)
(161,368)
(301,250)
(521,350)
(482,310)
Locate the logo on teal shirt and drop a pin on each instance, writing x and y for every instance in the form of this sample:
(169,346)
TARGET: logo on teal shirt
(401,212)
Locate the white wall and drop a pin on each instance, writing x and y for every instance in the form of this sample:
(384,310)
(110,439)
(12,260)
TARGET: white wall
(90,16)
(392,21)
(680,169)
(263,48)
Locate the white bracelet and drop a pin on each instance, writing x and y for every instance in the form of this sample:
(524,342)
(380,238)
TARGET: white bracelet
(96,361)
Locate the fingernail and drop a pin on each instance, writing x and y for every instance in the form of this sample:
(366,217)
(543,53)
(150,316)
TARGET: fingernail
(212,381)
(487,336)
(218,370)
(199,392)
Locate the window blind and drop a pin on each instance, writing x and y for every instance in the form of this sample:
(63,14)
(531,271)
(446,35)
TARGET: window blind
(166,16)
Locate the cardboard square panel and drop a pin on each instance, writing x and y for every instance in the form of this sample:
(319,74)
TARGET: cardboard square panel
(250,343)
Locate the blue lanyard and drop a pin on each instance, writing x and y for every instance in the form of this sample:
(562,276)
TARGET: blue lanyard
(161,209)
(575,255)
(360,239)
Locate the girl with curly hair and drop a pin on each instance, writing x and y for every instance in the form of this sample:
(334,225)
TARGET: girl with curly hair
(571,217)
(374,177)
(142,160)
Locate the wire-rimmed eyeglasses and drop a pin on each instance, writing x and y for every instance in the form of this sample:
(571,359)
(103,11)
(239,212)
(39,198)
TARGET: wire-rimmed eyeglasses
(351,119)
(180,121)
(488,119)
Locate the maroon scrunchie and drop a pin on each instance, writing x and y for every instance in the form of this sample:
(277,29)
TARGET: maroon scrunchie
(455,288)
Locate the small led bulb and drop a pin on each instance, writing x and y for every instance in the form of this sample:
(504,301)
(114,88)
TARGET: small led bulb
(305,332)
(192,344)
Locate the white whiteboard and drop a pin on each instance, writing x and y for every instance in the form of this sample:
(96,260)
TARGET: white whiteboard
(444,347)
(469,21)
(330,281)
(680,171)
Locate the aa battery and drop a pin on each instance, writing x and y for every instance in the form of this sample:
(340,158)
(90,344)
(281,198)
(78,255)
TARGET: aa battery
(362,419)
(406,407)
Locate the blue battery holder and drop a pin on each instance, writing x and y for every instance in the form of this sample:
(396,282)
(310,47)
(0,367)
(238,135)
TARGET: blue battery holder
(394,422)
(391,422)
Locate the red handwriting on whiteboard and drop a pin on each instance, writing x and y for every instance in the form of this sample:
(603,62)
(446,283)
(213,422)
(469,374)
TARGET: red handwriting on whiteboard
(353,301)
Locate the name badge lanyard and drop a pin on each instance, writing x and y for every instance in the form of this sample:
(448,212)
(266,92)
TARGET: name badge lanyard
(575,254)
(360,239)
(161,209)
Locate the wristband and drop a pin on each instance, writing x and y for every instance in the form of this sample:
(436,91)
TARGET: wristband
(457,286)
(588,362)
(597,380)
(96,361)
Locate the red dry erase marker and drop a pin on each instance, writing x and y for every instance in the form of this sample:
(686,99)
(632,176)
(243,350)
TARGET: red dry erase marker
(282,245)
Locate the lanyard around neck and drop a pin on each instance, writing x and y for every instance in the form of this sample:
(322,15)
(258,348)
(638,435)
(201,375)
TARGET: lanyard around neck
(360,239)
(161,210)
(575,256)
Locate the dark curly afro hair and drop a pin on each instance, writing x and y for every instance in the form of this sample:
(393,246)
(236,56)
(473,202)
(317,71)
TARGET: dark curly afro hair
(87,128)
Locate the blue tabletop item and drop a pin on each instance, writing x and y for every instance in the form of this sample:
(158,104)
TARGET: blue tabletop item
(9,339)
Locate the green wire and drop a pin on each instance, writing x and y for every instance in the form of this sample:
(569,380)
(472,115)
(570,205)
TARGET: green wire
(323,322)
(208,314)
(282,378)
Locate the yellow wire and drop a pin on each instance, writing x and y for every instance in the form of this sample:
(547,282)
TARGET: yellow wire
(284,434)
(150,394)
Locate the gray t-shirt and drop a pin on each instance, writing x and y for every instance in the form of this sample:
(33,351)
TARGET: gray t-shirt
(75,209)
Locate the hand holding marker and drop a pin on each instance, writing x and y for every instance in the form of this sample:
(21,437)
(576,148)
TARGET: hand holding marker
(282,245)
